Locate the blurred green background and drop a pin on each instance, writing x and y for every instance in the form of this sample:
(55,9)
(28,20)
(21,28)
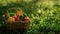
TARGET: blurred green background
(44,14)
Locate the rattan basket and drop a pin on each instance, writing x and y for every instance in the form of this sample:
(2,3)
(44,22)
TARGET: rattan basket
(17,25)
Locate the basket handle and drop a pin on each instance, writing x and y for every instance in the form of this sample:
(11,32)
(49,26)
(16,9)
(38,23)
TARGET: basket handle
(15,9)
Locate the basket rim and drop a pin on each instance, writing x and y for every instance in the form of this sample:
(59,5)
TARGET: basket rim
(19,21)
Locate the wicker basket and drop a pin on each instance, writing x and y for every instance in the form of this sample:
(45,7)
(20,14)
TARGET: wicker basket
(17,25)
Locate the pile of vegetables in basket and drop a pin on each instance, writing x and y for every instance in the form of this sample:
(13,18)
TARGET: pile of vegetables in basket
(17,16)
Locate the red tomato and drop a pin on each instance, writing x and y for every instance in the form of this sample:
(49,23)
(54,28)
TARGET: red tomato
(16,18)
(26,19)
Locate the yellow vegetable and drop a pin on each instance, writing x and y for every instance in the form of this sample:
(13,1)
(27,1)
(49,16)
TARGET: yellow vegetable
(11,19)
